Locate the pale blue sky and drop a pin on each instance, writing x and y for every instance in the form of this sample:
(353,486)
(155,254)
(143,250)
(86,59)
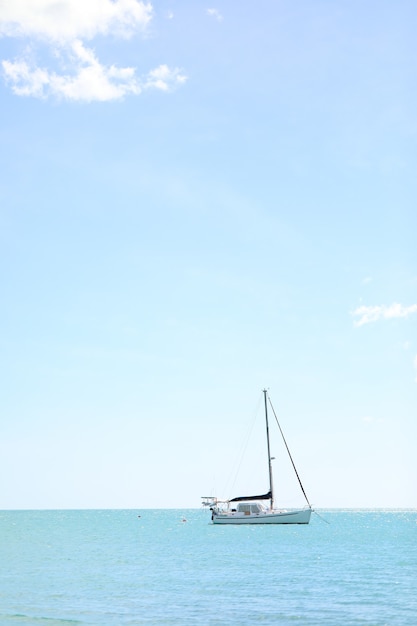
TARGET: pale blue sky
(199,200)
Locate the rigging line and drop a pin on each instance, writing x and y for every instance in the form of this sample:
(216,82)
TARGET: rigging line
(244,447)
(322,518)
(289,453)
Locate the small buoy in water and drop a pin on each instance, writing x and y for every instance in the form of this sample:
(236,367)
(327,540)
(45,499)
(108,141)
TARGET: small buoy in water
(183,519)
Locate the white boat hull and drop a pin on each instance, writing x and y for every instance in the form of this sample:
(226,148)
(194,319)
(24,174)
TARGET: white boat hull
(295,516)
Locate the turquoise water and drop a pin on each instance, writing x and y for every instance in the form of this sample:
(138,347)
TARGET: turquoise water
(113,567)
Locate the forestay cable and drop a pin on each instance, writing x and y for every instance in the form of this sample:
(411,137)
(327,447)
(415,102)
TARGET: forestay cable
(289,453)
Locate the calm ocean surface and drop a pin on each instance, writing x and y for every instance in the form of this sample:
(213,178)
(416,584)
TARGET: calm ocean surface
(112,567)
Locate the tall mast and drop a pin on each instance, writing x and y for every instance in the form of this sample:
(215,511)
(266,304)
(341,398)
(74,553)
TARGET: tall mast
(271,487)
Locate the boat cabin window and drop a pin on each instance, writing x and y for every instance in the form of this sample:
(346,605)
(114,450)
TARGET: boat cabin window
(249,509)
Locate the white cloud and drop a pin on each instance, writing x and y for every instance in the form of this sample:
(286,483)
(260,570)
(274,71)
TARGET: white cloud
(91,80)
(64,25)
(164,78)
(216,14)
(26,82)
(65,20)
(369,314)
(415,365)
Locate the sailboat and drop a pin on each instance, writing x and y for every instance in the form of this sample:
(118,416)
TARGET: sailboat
(253,509)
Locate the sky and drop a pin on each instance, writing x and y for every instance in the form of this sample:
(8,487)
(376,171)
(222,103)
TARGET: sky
(199,201)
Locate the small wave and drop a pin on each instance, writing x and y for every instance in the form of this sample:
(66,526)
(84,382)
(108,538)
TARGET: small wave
(17,618)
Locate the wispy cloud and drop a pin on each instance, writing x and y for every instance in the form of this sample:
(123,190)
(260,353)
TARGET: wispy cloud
(215,13)
(64,27)
(368,314)
(369,419)
(415,365)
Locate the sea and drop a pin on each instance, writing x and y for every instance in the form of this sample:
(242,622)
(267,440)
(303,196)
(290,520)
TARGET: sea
(173,567)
